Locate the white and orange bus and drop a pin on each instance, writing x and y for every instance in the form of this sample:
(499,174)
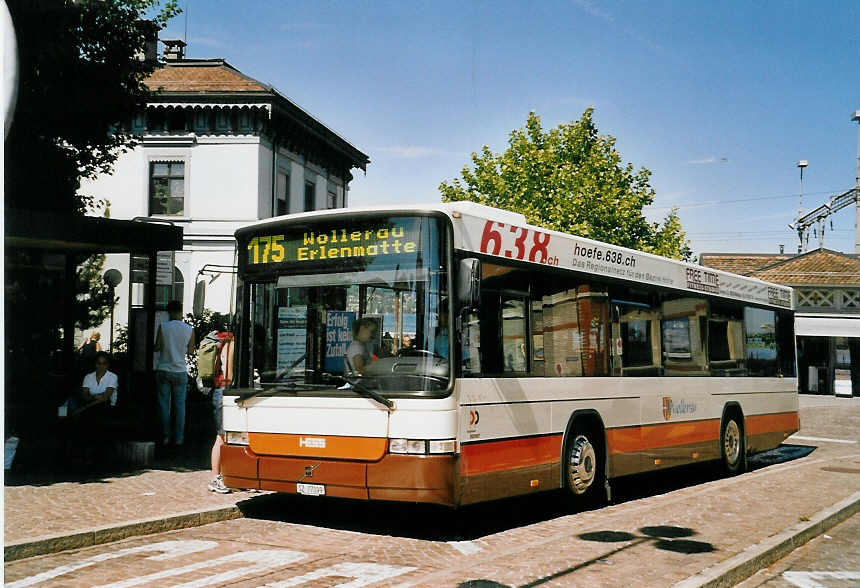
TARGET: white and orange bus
(569,363)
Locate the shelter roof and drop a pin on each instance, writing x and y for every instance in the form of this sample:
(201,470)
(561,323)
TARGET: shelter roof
(85,234)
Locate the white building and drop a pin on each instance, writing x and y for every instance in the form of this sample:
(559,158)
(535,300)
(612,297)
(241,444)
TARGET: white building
(219,150)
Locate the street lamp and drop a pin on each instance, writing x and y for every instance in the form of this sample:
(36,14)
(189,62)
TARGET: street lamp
(112,278)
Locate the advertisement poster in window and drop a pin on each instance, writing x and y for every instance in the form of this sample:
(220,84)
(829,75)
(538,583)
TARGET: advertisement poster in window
(338,336)
(292,338)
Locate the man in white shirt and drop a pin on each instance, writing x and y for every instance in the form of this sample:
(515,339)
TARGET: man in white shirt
(175,339)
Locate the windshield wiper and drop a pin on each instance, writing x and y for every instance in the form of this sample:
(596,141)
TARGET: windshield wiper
(280,387)
(280,373)
(365,391)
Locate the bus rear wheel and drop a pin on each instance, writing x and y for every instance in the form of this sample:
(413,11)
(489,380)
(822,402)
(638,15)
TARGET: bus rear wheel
(732,446)
(584,470)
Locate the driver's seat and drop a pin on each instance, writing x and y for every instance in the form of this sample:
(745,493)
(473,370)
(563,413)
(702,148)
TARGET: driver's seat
(349,370)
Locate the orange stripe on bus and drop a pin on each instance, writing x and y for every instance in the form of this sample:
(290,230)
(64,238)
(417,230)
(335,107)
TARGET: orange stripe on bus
(635,439)
(493,456)
(332,446)
(676,434)
(772,423)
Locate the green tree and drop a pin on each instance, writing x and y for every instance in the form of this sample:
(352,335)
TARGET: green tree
(93,295)
(80,84)
(570,179)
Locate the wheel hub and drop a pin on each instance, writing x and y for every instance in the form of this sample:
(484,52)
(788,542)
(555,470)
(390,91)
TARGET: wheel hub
(732,442)
(581,467)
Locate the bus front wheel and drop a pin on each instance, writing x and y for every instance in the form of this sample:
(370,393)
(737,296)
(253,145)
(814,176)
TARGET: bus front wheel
(583,462)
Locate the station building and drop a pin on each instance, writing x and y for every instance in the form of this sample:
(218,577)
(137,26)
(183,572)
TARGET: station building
(827,318)
(218,150)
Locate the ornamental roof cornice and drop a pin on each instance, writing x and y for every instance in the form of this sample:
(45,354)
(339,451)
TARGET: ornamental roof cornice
(211,84)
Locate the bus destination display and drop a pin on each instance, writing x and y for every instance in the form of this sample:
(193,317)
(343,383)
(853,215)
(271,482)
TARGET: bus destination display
(335,243)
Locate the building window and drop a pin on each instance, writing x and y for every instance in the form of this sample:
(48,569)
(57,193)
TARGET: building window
(167,188)
(282,202)
(174,291)
(331,202)
(310,196)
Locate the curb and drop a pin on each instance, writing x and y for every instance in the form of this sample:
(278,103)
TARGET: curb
(763,554)
(108,534)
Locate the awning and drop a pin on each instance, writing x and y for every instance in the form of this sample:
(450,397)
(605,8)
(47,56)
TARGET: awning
(85,234)
(827,326)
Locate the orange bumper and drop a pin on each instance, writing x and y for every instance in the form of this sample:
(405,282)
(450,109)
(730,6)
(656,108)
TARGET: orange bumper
(410,478)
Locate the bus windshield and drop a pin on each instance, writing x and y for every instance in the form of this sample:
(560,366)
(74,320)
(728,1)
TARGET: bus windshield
(339,302)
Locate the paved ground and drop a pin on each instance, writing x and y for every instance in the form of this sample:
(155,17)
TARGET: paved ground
(70,501)
(665,528)
(830,560)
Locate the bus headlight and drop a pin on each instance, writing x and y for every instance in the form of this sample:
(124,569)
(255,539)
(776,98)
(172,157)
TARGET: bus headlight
(236,438)
(443,446)
(422,446)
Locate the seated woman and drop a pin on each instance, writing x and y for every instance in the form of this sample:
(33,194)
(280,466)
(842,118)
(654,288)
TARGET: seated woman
(97,390)
(359,354)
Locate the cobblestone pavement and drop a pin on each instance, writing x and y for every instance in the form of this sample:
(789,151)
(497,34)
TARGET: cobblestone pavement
(659,535)
(830,560)
(33,511)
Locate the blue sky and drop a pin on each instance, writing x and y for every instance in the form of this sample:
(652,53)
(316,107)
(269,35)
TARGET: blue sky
(718,100)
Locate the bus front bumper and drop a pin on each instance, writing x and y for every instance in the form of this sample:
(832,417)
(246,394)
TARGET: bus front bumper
(409,478)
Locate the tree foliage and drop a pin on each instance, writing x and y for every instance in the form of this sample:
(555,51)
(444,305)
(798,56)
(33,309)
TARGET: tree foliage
(80,84)
(94,299)
(570,179)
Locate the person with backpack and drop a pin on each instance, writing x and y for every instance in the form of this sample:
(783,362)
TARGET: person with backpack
(215,372)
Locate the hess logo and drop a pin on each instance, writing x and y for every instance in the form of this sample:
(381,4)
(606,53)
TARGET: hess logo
(312,442)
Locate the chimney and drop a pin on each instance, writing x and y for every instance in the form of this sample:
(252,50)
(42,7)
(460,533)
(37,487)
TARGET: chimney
(150,47)
(174,49)
(781,248)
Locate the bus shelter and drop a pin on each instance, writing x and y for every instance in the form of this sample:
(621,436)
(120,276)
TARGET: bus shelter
(43,306)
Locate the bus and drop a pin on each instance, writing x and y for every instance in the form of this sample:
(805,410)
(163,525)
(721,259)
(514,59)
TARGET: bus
(453,353)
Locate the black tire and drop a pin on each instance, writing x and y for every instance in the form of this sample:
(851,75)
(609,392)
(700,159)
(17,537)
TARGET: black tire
(732,445)
(584,468)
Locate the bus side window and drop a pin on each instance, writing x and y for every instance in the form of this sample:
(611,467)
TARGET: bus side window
(682,329)
(574,337)
(514,342)
(638,329)
(761,348)
(725,334)
(491,343)
(470,345)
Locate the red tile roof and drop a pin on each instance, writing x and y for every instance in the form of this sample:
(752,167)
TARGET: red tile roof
(819,267)
(202,75)
(741,263)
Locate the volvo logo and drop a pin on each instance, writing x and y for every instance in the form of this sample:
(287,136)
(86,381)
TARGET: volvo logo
(309,470)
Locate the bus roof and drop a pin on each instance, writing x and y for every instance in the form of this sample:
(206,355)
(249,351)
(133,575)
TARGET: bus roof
(504,234)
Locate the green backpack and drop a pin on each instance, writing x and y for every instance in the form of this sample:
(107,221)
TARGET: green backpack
(208,355)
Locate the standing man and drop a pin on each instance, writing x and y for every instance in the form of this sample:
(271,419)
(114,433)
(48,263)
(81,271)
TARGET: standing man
(175,339)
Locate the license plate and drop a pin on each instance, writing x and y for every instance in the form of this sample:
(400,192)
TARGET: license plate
(310,489)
